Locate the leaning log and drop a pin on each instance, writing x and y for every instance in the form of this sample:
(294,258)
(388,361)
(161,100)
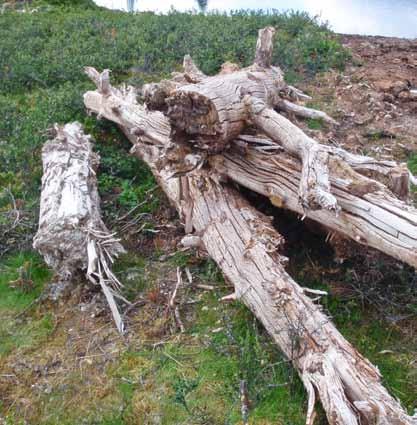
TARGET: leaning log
(246,247)
(71,235)
(369,213)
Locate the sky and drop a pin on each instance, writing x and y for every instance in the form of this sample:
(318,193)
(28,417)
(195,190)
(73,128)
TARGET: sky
(373,17)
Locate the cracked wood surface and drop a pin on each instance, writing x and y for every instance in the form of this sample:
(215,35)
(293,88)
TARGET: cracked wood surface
(369,213)
(246,247)
(71,235)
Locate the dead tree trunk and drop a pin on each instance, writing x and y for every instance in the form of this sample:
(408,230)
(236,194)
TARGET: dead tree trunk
(246,247)
(369,213)
(71,234)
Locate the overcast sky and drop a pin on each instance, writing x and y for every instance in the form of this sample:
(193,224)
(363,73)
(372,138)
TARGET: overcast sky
(377,17)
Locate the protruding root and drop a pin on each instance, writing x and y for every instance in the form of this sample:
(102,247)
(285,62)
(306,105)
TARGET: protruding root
(304,112)
(314,185)
(98,272)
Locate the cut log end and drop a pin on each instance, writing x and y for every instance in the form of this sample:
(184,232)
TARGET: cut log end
(193,112)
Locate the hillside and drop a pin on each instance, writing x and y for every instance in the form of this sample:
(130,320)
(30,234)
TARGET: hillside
(64,362)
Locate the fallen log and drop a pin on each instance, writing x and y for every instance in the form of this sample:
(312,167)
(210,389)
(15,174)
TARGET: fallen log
(368,214)
(71,234)
(246,247)
(216,110)
(213,111)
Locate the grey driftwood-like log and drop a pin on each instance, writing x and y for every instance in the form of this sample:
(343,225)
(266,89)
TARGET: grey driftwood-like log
(369,213)
(71,235)
(213,111)
(246,247)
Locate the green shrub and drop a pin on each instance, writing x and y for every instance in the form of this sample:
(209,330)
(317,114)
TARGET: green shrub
(55,45)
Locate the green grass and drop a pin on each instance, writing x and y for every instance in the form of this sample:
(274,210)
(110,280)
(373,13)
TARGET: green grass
(15,298)
(412,164)
(315,124)
(197,380)
(384,345)
(194,379)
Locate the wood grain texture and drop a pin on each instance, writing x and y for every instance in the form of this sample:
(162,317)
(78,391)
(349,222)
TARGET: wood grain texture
(72,236)
(246,247)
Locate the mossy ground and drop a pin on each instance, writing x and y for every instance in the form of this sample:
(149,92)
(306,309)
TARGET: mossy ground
(65,363)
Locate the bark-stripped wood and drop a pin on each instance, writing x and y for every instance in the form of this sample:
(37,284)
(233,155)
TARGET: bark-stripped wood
(304,112)
(374,218)
(264,47)
(71,234)
(314,189)
(246,247)
(213,111)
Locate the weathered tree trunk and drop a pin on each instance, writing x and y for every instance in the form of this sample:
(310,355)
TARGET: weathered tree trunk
(246,247)
(244,244)
(71,234)
(369,213)
(213,111)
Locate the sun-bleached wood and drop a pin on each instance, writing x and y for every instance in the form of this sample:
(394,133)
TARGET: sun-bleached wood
(71,234)
(244,244)
(246,247)
(369,214)
(314,189)
(213,111)
(305,112)
(264,47)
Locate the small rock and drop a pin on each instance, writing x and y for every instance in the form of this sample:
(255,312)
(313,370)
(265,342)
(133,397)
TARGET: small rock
(404,96)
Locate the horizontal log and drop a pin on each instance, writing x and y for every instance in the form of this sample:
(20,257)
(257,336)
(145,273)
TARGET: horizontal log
(375,218)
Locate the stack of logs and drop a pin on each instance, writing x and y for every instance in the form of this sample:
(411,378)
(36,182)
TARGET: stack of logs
(201,135)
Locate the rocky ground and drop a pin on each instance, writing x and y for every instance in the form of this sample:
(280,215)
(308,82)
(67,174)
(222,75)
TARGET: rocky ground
(374,99)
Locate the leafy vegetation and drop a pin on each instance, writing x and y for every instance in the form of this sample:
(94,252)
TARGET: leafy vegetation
(22,278)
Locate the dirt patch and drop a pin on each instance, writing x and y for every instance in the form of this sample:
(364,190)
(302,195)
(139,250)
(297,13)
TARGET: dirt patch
(374,99)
